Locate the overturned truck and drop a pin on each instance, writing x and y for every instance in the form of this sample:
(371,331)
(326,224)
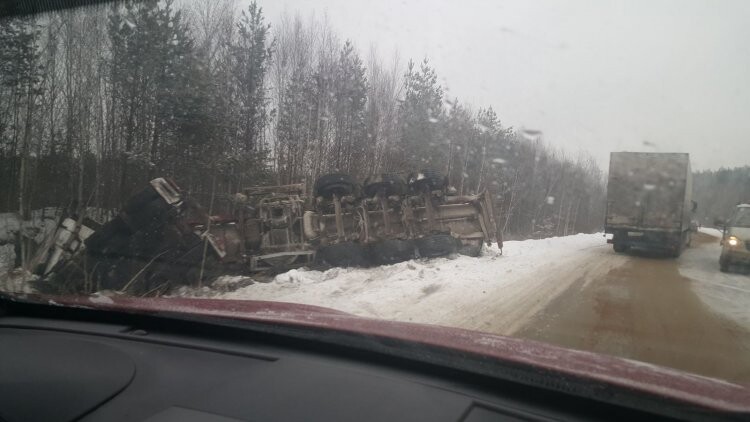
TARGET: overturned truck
(161,238)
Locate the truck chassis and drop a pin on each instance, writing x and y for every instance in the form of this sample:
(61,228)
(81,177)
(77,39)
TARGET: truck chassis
(162,239)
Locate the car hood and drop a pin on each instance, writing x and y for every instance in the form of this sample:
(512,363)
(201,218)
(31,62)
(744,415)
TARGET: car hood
(632,375)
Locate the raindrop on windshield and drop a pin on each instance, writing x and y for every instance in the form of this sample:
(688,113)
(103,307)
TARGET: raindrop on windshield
(531,134)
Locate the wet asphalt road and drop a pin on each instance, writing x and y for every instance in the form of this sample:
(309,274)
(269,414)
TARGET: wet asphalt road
(643,308)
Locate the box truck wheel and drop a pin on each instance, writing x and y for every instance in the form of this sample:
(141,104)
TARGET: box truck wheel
(391,251)
(620,248)
(676,250)
(436,245)
(335,184)
(346,254)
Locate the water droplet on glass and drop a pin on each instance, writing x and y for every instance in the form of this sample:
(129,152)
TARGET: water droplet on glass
(531,134)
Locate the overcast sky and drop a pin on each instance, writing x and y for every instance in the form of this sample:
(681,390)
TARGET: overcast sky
(597,76)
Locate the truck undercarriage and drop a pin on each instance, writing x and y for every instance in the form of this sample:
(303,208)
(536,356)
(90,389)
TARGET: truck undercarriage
(162,238)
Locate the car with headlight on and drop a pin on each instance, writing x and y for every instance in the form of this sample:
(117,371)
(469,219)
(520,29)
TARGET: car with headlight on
(736,240)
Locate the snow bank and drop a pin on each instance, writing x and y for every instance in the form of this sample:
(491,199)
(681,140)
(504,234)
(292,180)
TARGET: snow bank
(457,290)
(710,231)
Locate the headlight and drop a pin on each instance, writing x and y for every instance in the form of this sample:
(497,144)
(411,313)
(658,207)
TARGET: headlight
(733,241)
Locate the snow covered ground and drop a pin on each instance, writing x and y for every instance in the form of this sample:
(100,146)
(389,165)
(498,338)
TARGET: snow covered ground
(457,291)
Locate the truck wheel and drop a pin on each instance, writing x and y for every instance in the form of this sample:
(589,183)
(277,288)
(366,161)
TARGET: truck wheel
(436,245)
(391,251)
(346,254)
(620,248)
(470,250)
(427,178)
(335,184)
(391,184)
(676,250)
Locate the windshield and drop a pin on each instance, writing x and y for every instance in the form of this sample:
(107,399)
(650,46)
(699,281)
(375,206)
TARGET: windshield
(741,218)
(525,169)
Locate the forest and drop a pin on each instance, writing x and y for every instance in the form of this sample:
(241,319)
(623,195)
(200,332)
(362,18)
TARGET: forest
(96,101)
(718,191)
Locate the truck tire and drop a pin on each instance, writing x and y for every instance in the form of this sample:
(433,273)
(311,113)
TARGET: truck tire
(427,178)
(470,250)
(346,254)
(391,184)
(677,250)
(391,251)
(619,247)
(436,245)
(335,184)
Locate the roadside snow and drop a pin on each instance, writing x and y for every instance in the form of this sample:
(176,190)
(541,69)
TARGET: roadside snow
(101,299)
(711,231)
(457,291)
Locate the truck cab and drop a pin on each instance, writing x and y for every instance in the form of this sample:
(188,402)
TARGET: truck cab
(735,241)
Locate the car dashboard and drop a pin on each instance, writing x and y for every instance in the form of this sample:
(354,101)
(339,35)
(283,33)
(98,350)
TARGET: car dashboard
(92,366)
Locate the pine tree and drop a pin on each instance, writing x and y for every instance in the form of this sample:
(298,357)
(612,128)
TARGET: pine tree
(420,111)
(251,54)
(350,97)
(153,61)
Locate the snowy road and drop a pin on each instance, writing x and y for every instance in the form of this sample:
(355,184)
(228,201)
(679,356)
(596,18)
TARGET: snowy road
(572,291)
(680,313)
